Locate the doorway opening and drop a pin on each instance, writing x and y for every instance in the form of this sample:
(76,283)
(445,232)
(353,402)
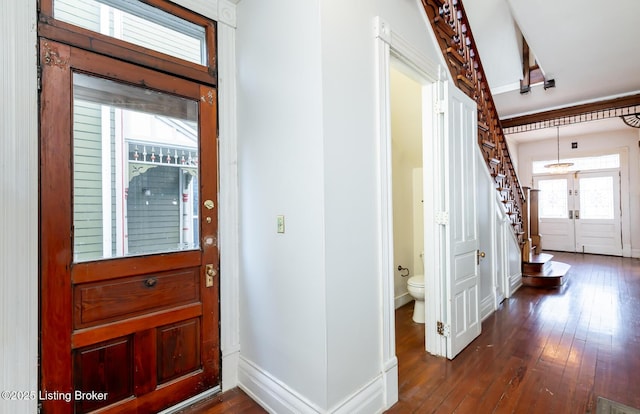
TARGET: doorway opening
(449,137)
(407,185)
(581,211)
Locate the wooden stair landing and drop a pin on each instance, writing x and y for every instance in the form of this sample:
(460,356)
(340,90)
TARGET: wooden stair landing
(541,271)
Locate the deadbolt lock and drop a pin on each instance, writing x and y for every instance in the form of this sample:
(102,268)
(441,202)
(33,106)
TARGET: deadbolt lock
(210,274)
(209,204)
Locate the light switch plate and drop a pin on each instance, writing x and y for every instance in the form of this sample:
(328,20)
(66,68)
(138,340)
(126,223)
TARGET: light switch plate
(280,220)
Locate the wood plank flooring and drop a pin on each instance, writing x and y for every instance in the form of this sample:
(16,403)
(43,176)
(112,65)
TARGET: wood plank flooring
(543,351)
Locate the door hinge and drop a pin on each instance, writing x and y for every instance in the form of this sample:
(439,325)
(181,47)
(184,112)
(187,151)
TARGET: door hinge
(443,329)
(438,107)
(39,79)
(442,217)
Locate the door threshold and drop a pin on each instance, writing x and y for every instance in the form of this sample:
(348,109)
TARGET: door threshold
(190,401)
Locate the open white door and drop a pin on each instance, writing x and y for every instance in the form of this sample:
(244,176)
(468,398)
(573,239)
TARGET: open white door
(461,323)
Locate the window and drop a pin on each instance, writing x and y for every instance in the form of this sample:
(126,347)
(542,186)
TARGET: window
(137,23)
(553,198)
(597,198)
(155,34)
(135,163)
(581,164)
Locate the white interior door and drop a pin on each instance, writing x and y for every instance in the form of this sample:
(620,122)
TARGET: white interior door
(462,282)
(580,212)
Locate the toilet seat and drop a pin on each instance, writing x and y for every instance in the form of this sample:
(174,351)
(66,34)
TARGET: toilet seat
(416,281)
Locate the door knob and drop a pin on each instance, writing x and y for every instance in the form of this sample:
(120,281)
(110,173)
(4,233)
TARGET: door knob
(210,272)
(151,282)
(480,254)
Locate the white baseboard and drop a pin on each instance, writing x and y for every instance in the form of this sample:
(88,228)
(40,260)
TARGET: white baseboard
(272,394)
(635,253)
(368,400)
(486,307)
(402,300)
(515,282)
(276,397)
(390,379)
(230,362)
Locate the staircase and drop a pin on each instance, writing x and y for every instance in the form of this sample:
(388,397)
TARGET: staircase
(540,271)
(453,33)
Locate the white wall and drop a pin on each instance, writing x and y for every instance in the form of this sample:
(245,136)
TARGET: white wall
(626,141)
(486,204)
(310,299)
(19,207)
(514,259)
(283,318)
(406,141)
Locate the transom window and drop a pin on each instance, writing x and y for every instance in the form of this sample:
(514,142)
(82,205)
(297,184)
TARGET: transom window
(137,23)
(601,162)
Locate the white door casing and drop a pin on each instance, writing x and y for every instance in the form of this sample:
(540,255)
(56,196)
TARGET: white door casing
(462,315)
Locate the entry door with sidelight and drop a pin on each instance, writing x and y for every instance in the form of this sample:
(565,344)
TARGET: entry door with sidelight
(580,212)
(129,235)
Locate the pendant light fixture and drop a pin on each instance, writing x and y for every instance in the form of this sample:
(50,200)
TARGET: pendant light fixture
(558,167)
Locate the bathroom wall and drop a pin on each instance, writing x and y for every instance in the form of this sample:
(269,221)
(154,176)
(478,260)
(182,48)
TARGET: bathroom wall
(406,141)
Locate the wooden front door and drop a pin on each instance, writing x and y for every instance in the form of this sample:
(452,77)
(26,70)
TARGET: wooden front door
(129,256)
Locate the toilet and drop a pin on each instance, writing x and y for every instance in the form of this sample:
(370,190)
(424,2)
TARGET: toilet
(415,286)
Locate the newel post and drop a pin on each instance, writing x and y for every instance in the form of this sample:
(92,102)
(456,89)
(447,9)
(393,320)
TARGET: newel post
(534,228)
(526,237)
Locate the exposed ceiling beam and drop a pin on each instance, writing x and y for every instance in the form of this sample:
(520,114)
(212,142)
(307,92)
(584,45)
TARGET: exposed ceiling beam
(572,111)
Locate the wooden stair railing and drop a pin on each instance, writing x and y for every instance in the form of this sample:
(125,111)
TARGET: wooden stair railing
(450,24)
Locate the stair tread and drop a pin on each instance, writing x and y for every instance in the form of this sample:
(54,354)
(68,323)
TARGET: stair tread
(539,258)
(554,270)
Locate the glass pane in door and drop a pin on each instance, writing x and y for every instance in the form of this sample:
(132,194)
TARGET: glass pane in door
(553,198)
(135,170)
(596,198)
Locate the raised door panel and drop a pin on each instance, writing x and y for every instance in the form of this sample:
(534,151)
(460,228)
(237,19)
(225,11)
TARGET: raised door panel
(462,281)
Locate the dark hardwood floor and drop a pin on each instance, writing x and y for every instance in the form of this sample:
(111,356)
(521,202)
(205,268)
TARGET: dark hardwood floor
(232,401)
(543,351)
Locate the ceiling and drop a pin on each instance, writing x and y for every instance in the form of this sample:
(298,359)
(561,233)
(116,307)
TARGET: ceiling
(589,47)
